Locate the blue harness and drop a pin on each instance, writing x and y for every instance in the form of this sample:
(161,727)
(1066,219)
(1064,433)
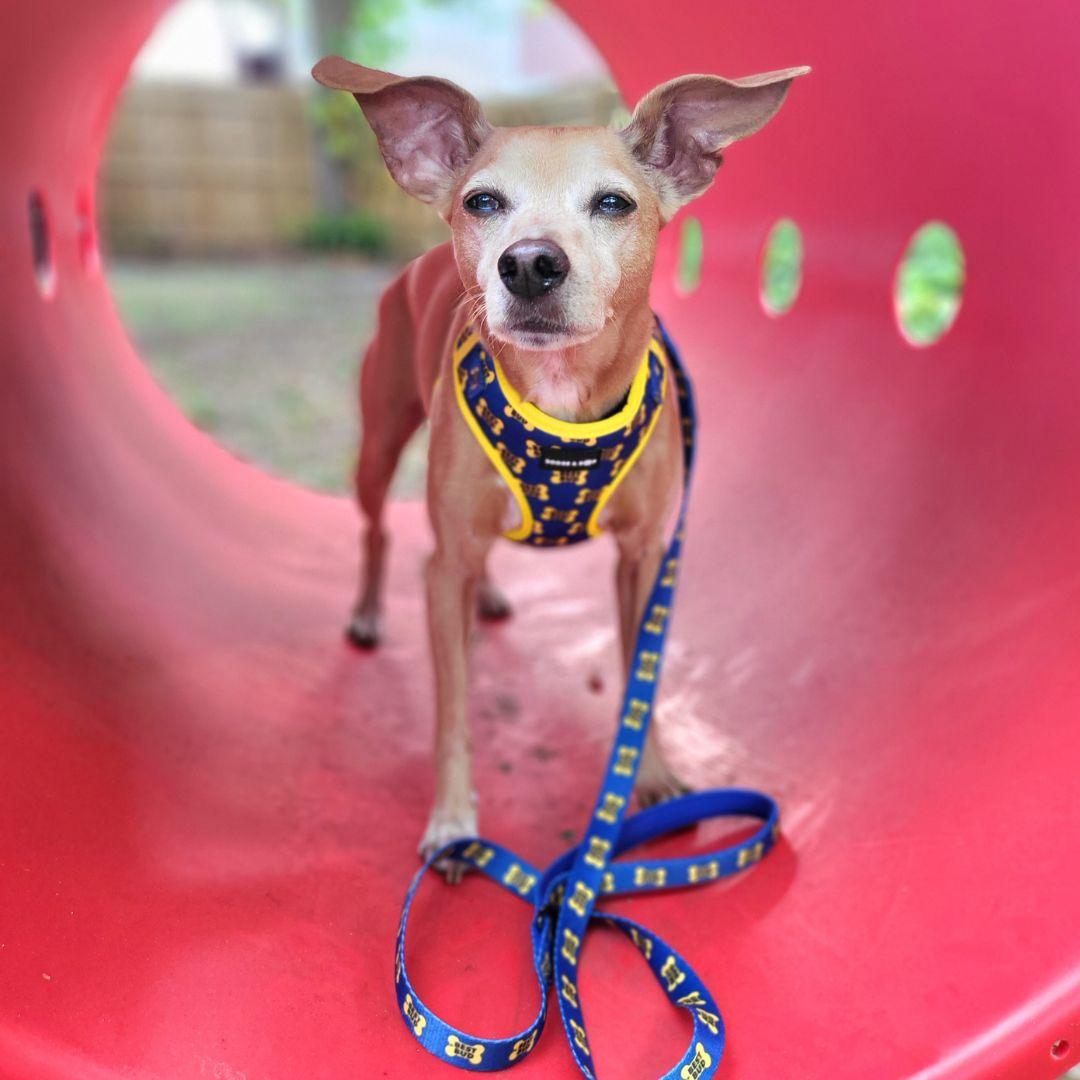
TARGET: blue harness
(564,894)
(561,474)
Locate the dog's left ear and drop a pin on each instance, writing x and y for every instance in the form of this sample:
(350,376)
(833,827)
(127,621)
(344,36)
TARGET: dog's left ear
(679,128)
(428,129)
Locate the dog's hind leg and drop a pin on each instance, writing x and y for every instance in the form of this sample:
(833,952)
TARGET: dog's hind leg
(390,412)
(374,473)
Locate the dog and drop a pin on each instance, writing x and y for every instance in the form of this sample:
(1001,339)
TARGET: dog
(541,298)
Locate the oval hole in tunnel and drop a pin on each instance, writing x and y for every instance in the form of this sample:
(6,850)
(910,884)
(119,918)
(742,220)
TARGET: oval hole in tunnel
(781,267)
(248,271)
(928,285)
(41,250)
(1060,1049)
(691,256)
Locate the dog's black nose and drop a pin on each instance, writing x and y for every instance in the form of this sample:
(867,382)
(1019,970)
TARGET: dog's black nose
(531,268)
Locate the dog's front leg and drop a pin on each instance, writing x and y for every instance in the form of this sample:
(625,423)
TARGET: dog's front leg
(451,582)
(639,562)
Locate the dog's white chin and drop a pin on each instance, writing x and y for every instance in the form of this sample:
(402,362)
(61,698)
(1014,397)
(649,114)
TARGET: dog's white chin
(531,341)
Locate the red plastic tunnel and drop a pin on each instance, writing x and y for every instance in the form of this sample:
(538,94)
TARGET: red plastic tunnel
(210,805)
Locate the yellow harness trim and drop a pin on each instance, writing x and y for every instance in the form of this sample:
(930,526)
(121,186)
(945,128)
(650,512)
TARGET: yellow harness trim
(563,429)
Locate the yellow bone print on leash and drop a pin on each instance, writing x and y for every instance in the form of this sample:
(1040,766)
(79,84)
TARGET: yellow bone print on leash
(564,896)
(473,1053)
(696,1068)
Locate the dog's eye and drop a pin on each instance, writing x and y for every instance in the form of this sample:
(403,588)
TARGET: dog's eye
(483,203)
(611,203)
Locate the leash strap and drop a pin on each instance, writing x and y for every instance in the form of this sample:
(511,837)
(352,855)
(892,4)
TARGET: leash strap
(564,895)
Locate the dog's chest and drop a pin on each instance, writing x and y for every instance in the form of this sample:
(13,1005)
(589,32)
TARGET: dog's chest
(553,391)
(559,475)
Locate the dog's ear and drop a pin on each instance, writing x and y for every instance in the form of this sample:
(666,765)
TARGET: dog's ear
(428,129)
(679,128)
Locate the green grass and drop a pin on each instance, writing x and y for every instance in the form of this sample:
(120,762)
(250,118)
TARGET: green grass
(781,267)
(263,355)
(691,255)
(929,283)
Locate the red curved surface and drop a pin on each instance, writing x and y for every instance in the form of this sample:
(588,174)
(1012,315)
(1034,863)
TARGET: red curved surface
(210,803)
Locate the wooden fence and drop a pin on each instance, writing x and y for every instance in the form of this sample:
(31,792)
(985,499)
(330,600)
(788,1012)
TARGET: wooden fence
(201,170)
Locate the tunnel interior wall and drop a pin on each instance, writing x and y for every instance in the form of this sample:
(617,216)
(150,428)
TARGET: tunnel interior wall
(880,627)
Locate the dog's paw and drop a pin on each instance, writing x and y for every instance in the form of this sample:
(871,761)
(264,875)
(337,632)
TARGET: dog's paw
(491,602)
(656,783)
(364,630)
(444,827)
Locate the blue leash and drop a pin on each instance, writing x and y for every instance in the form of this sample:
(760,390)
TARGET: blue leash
(565,894)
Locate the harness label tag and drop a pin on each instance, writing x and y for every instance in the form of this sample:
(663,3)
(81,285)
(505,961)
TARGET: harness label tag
(558,457)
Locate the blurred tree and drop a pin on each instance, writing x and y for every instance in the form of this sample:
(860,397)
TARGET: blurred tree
(329,19)
(369,32)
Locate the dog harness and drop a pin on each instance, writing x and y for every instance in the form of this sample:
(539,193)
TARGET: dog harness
(561,474)
(565,895)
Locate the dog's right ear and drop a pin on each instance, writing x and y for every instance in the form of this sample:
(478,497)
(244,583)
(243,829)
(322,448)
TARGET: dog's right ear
(428,129)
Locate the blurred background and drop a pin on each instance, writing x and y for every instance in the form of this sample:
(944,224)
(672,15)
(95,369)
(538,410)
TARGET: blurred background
(249,224)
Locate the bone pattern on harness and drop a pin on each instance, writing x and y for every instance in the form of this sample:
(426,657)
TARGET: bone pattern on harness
(561,474)
(565,894)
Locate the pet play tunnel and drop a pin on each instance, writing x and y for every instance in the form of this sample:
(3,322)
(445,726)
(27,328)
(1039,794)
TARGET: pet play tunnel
(210,804)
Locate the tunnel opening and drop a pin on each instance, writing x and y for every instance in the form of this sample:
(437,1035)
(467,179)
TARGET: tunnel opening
(251,224)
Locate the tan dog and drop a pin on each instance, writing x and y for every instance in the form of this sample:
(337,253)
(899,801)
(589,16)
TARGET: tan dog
(554,234)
